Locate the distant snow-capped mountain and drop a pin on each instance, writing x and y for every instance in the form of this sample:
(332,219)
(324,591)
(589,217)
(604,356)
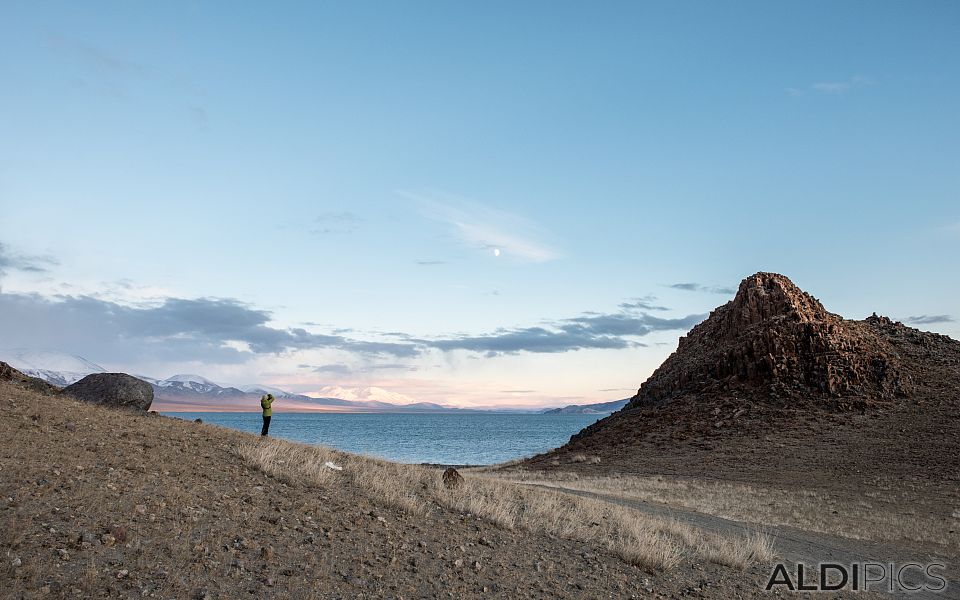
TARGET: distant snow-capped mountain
(186,378)
(600,408)
(256,388)
(366,394)
(59,368)
(193,384)
(194,392)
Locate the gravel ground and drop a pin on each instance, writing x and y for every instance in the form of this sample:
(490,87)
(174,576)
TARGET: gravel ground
(104,503)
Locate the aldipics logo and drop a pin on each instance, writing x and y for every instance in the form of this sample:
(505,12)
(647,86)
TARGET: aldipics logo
(863,576)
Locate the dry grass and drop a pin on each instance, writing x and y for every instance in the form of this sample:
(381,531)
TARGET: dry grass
(642,540)
(583,458)
(870,518)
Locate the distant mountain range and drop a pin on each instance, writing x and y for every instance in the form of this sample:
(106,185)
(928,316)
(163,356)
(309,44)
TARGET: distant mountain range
(600,408)
(188,392)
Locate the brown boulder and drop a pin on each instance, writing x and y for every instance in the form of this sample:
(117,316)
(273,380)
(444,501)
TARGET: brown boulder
(113,389)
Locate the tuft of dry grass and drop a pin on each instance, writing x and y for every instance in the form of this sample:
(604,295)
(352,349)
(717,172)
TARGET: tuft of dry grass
(645,541)
(753,548)
(583,458)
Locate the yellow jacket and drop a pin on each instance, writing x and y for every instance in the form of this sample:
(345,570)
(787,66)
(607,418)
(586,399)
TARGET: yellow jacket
(265,402)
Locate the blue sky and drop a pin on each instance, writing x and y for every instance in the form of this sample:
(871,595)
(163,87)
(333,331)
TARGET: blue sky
(278,192)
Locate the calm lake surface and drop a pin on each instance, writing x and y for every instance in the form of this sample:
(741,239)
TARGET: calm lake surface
(457,439)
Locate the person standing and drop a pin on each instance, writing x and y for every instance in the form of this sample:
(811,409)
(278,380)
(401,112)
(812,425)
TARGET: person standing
(265,402)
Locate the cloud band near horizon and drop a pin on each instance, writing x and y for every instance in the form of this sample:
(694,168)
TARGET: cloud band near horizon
(227,331)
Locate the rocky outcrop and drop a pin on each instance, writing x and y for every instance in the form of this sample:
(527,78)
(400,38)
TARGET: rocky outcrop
(8,373)
(113,389)
(774,340)
(774,385)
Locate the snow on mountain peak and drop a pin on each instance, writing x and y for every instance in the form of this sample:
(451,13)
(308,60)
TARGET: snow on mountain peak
(364,394)
(58,368)
(49,360)
(255,388)
(188,378)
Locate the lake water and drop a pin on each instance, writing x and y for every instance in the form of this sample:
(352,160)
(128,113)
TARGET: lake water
(456,439)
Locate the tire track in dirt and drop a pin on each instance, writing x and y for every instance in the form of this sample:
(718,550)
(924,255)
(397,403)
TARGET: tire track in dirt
(795,545)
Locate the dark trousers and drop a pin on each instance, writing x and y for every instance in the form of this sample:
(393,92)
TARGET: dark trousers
(266,425)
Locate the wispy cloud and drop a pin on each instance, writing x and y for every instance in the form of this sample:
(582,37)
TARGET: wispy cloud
(333,369)
(930,319)
(370,367)
(842,87)
(335,222)
(484,227)
(197,115)
(113,73)
(97,56)
(836,88)
(643,303)
(27,263)
(699,287)
(430,263)
(590,331)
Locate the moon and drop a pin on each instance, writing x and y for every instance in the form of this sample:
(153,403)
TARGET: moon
(496,251)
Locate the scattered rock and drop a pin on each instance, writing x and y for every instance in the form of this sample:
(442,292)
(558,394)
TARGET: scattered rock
(452,479)
(119,533)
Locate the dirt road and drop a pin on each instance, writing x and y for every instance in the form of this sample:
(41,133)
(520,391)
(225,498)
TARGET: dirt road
(794,545)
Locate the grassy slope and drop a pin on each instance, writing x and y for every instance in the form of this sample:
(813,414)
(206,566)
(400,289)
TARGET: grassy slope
(101,503)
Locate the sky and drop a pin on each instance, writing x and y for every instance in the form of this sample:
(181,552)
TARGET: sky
(478,204)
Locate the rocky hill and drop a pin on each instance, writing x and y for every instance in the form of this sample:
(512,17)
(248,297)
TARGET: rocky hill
(776,343)
(772,380)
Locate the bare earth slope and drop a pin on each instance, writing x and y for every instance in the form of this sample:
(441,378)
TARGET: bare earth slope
(98,502)
(773,389)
